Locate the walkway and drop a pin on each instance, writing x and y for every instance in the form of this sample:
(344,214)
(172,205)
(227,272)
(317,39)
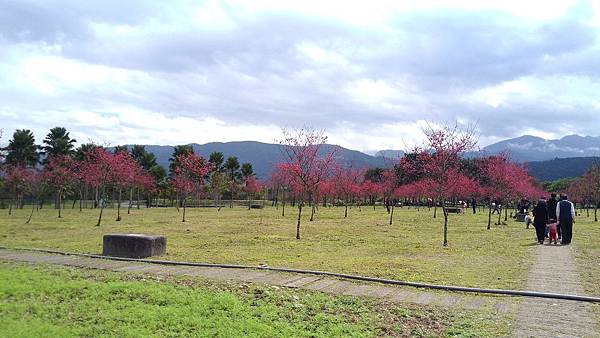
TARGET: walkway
(554,270)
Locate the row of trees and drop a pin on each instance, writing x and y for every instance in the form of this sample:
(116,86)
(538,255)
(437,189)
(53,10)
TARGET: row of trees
(94,172)
(585,190)
(436,174)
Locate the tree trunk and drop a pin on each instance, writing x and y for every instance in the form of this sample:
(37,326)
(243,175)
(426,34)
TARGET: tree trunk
(119,206)
(505,215)
(184,205)
(489,218)
(312,212)
(283,204)
(346,211)
(80,199)
(9,208)
(587,209)
(73,206)
(298,225)
(58,200)
(138,198)
(499,216)
(595,212)
(31,214)
(130,201)
(100,217)
(445,225)
(392,214)
(435,211)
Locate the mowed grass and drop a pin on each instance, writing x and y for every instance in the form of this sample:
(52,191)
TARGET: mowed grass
(410,249)
(38,301)
(586,245)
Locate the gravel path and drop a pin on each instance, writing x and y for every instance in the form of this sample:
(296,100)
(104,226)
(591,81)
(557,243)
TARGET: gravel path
(554,270)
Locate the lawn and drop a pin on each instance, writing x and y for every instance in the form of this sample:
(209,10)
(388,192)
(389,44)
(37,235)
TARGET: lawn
(364,243)
(586,243)
(55,301)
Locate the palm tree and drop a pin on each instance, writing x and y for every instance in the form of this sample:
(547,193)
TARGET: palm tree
(216,159)
(83,149)
(232,165)
(247,171)
(22,150)
(58,142)
(146,159)
(119,149)
(178,150)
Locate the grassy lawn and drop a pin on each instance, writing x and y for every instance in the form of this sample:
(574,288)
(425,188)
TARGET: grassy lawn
(586,243)
(364,243)
(38,301)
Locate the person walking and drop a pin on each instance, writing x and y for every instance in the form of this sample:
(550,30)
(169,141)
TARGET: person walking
(474,205)
(565,213)
(540,219)
(552,202)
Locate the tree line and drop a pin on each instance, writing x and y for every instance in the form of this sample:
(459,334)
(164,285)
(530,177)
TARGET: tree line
(97,174)
(435,175)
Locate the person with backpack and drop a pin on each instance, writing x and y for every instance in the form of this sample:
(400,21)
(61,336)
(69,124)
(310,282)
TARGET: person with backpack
(565,213)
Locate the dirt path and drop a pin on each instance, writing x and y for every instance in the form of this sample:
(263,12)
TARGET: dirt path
(554,270)
(505,305)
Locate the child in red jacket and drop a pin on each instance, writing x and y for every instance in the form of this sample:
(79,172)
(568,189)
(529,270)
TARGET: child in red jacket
(552,233)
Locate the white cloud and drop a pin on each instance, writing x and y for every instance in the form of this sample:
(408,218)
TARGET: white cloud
(236,70)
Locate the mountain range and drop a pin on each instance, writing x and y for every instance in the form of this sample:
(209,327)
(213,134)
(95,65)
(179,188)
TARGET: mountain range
(569,156)
(529,148)
(263,156)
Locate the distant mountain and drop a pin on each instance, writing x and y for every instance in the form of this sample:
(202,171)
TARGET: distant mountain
(389,153)
(263,156)
(547,160)
(561,168)
(531,148)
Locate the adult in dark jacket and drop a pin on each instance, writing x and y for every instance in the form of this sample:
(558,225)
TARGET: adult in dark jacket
(565,211)
(552,202)
(540,214)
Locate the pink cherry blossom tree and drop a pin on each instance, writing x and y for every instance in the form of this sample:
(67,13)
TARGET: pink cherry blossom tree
(308,163)
(347,184)
(18,181)
(252,187)
(189,176)
(441,154)
(58,175)
(97,171)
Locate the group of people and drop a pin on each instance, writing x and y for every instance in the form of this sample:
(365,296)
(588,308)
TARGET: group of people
(554,219)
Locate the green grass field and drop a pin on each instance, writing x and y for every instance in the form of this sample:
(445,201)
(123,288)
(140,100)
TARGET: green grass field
(48,299)
(364,243)
(38,301)
(586,239)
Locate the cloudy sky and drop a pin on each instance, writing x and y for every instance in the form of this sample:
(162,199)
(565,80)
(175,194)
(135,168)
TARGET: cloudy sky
(174,72)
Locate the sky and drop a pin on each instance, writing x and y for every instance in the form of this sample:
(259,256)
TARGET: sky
(370,73)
